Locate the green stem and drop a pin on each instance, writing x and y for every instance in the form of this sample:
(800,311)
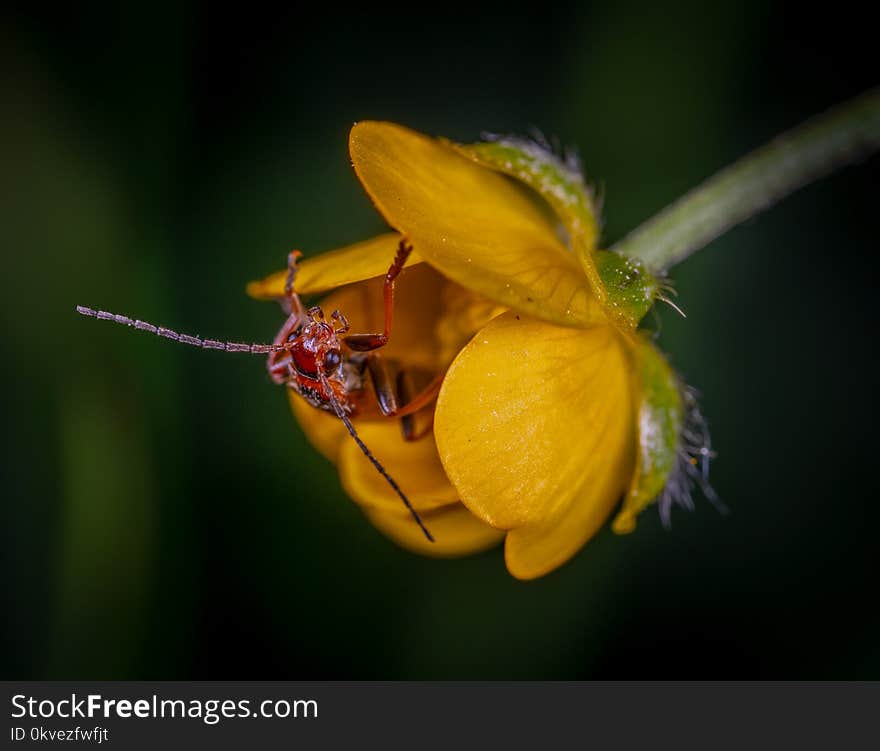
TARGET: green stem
(843,135)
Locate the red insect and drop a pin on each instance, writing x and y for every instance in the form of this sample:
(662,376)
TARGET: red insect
(327,366)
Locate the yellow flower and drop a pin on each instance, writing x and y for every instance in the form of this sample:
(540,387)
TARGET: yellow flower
(553,406)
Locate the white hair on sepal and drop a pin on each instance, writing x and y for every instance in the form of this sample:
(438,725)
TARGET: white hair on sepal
(666,291)
(693,456)
(538,137)
(597,195)
(572,159)
(565,159)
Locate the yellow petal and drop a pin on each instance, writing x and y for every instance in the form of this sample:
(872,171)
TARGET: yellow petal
(353,263)
(324,430)
(555,179)
(536,549)
(414,465)
(456,531)
(532,416)
(474,225)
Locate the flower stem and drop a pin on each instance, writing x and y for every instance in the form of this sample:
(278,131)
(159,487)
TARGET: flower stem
(843,135)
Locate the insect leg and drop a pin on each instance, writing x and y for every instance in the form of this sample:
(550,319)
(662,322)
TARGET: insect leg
(397,396)
(383,376)
(423,398)
(369,342)
(409,423)
(342,321)
(290,303)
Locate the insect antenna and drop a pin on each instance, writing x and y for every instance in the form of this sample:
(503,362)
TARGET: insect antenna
(340,413)
(194,341)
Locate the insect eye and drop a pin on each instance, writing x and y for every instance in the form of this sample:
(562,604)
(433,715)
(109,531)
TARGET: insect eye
(332,360)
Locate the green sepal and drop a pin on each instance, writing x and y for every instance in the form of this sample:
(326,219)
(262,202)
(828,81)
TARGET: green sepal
(560,184)
(659,424)
(624,286)
(629,287)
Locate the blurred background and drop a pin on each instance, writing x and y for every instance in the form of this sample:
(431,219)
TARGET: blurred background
(163,516)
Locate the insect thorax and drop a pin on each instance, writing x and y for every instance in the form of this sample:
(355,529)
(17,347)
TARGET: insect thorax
(347,382)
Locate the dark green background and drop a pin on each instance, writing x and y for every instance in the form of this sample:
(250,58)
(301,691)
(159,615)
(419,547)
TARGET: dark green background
(162,514)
